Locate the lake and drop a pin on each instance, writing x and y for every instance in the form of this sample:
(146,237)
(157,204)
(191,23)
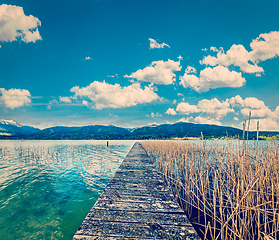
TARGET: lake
(48,187)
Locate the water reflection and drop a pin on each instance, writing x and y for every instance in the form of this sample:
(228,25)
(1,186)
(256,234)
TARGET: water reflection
(48,187)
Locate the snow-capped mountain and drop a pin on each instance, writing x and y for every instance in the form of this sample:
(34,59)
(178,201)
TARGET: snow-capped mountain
(10,122)
(12,126)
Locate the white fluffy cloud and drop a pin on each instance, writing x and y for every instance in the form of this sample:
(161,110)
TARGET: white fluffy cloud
(105,95)
(256,106)
(201,120)
(65,99)
(171,111)
(212,111)
(269,120)
(190,69)
(52,102)
(249,102)
(15,25)
(155,115)
(211,78)
(112,76)
(257,113)
(87,58)
(158,72)
(266,124)
(186,108)
(206,120)
(214,49)
(213,108)
(14,98)
(85,103)
(237,55)
(264,47)
(154,44)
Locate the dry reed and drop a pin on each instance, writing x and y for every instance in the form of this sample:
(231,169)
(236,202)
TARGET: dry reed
(228,192)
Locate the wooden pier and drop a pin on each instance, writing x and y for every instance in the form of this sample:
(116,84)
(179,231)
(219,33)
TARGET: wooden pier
(136,204)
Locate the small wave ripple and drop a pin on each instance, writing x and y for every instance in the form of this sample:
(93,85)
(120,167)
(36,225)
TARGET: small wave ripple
(48,187)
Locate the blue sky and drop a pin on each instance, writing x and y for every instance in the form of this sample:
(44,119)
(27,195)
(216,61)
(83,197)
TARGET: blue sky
(134,63)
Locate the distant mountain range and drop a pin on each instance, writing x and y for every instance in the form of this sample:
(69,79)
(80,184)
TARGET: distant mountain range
(14,128)
(10,129)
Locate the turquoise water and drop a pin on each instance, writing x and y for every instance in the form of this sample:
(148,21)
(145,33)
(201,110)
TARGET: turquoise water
(48,187)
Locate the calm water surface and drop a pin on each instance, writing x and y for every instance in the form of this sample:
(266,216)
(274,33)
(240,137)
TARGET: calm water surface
(48,187)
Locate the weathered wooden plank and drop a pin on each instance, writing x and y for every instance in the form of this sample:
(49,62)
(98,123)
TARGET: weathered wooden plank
(146,187)
(137,174)
(134,198)
(138,192)
(137,217)
(145,230)
(136,204)
(154,207)
(128,180)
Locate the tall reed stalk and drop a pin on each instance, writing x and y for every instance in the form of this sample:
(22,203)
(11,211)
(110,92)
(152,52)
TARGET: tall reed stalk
(225,193)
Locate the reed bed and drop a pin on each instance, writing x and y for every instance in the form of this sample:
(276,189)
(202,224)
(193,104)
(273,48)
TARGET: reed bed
(228,191)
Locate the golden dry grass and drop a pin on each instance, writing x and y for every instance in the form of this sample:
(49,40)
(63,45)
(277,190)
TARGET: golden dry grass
(229,191)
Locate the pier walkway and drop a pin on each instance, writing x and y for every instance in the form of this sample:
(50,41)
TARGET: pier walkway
(136,204)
